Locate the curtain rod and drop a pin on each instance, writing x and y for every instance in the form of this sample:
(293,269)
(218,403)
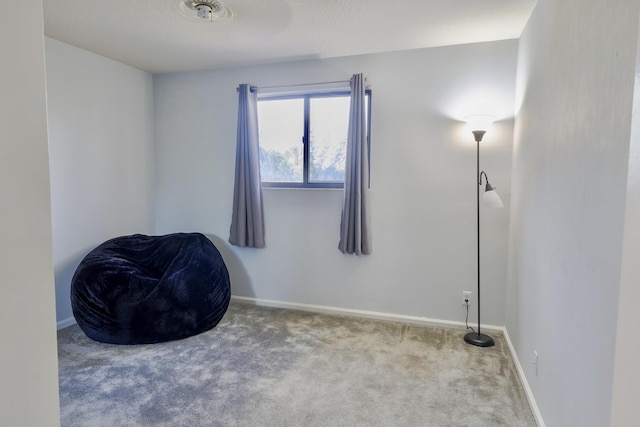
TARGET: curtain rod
(254,88)
(302,84)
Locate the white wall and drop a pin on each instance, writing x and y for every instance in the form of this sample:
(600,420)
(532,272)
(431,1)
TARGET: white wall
(28,363)
(101,156)
(423,182)
(626,386)
(571,150)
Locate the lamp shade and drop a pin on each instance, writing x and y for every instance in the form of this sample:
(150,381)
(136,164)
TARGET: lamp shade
(479,122)
(491,197)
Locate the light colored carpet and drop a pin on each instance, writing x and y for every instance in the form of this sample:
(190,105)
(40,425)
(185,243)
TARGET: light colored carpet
(274,367)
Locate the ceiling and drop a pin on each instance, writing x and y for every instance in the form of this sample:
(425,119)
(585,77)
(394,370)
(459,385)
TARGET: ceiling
(157,36)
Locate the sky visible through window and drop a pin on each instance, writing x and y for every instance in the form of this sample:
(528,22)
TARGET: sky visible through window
(281,128)
(329,124)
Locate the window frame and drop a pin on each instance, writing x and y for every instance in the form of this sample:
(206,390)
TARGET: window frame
(307,96)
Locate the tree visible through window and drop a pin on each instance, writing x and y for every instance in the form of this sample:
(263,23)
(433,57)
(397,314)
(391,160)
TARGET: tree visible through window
(303,139)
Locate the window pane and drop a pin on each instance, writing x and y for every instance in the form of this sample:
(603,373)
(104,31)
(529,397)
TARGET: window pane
(329,122)
(281,128)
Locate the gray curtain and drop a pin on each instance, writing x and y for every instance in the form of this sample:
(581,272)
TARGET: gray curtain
(247,223)
(355,229)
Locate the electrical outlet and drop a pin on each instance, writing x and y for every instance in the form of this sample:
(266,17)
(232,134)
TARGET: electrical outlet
(535,362)
(466,297)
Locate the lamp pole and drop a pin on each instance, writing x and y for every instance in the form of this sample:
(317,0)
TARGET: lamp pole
(477,338)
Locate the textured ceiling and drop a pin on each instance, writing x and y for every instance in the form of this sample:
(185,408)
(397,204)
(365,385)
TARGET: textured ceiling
(155,36)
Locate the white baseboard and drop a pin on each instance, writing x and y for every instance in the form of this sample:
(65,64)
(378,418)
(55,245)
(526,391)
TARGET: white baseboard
(65,322)
(415,320)
(525,384)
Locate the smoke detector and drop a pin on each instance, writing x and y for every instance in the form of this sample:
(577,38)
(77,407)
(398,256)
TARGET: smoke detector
(206,10)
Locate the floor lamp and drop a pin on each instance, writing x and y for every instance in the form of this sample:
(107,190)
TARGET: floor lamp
(479,125)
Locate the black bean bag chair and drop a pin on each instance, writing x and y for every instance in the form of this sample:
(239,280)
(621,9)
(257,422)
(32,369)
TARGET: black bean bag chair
(146,289)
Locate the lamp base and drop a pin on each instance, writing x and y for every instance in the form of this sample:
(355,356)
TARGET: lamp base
(480,340)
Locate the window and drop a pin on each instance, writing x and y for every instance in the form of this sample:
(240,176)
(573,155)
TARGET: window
(303,138)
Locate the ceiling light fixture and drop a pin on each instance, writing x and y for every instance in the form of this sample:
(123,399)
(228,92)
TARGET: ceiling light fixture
(206,10)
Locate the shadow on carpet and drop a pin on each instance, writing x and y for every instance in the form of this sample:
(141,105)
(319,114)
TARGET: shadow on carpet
(274,367)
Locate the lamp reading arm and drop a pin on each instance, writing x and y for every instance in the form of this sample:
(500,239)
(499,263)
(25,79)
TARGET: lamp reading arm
(491,197)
